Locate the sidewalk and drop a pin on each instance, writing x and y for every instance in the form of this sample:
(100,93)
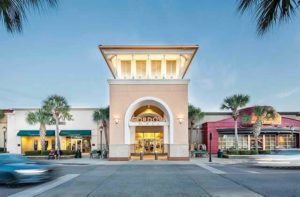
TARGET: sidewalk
(86,160)
(216,160)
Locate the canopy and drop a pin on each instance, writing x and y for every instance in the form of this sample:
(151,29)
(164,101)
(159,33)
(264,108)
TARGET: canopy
(34,133)
(75,133)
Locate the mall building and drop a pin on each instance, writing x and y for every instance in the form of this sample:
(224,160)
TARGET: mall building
(148,99)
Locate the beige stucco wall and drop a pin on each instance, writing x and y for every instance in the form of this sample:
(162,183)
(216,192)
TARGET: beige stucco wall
(174,95)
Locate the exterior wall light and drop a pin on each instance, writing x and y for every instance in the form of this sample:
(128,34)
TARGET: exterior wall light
(117,120)
(180,120)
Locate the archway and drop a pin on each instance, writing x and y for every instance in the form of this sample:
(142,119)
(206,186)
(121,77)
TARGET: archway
(144,101)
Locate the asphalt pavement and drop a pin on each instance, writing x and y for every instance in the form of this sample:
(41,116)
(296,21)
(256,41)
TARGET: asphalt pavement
(165,179)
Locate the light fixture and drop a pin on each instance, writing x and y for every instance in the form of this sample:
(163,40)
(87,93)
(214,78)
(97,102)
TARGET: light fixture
(117,120)
(180,120)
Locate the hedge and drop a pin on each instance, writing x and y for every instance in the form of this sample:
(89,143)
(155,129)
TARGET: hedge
(247,152)
(38,152)
(1,150)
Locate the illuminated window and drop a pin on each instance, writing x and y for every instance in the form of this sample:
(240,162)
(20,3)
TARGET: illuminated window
(171,69)
(141,69)
(156,69)
(126,69)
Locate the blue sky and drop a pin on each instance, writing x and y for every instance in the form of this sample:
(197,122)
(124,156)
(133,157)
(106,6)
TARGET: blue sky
(57,52)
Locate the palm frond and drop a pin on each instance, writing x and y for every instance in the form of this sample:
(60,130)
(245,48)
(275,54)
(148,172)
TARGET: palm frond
(2,114)
(269,12)
(194,113)
(14,12)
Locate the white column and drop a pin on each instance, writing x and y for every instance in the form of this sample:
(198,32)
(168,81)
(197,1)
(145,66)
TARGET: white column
(118,68)
(133,67)
(148,68)
(163,67)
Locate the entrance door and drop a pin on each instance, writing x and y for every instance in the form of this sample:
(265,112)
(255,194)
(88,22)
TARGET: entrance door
(76,144)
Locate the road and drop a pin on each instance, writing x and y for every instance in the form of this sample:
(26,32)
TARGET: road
(166,180)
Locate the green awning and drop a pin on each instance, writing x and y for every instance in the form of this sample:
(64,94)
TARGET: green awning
(35,133)
(75,133)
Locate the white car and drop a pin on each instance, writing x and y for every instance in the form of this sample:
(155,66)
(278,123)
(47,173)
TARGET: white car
(279,158)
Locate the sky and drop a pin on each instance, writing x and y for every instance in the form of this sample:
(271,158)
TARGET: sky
(57,52)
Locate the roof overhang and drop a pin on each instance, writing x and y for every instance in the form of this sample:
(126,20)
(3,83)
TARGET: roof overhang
(109,51)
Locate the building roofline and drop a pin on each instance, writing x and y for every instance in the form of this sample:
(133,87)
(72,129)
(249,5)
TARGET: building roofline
(142,47)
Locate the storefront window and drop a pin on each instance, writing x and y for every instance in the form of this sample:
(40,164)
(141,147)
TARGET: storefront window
(227,141)
(286,141)
(270,142)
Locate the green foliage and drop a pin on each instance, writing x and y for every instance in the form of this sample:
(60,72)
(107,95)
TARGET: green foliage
(1,150)
(269,12)
(101,114)
(232,152)
(1,114)
(46,153)
(14,12)
(41,117)
(235,102)
(194,114)
(58,107)
(264,152)
(261,112)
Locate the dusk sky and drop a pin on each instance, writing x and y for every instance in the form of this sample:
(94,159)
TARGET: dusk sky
(57,52)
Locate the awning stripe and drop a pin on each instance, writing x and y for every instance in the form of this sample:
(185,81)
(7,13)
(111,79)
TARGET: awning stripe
(35,133)
(75,133)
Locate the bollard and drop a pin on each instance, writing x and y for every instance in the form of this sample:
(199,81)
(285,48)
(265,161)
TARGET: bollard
(141,156)
(156,156)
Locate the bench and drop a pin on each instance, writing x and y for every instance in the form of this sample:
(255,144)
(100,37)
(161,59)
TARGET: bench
(199,152)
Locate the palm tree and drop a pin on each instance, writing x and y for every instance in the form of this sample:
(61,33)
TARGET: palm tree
(1,114)
(59,109)
(261,112)
(233,103)
(269,12)
(101,117)
(194,115)
(43,118)
(14,12)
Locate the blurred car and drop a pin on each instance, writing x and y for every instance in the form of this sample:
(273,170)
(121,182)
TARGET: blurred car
(279,158)
(16,169)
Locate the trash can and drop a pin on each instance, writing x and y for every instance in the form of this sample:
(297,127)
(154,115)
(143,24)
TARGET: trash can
(220,153)
(78,154)
(141,156)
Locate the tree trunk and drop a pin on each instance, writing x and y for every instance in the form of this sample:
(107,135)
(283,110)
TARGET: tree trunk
(42,137)
(190,135)
(57,141)
(256,144)
(105,127)
(236,135)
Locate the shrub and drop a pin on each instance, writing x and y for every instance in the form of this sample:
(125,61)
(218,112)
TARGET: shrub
(232,152)
(253,152)
(1,150)
(244,152)
(68,152)
(264,152)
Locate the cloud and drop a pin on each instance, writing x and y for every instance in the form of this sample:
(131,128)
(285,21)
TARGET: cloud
(289,93)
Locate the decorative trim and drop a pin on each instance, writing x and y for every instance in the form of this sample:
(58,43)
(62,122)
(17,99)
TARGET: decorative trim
(148,81)
(178,158)
(118,159)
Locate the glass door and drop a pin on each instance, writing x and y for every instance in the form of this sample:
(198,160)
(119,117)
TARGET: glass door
(76,144)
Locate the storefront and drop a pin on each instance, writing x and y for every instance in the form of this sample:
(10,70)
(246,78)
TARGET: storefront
(148,100)
(282,132)
(70,140)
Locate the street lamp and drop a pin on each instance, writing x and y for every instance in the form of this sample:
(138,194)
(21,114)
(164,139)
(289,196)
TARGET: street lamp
(4,129)
(101,131)
(210,138)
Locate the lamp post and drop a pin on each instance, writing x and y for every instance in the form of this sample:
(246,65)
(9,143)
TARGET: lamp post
(210,138)
(292,131)
(101,131)
(4,129)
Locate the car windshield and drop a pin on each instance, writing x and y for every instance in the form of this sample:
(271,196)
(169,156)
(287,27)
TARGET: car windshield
(13,159)
(286,152)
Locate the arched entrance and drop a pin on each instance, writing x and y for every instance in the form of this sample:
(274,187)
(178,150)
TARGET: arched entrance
(148,126)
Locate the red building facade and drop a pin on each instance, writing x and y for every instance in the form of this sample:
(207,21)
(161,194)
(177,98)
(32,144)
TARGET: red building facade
(276,133)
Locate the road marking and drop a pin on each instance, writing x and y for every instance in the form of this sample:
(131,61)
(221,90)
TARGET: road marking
(253,172)
(211,169)
(44,187)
